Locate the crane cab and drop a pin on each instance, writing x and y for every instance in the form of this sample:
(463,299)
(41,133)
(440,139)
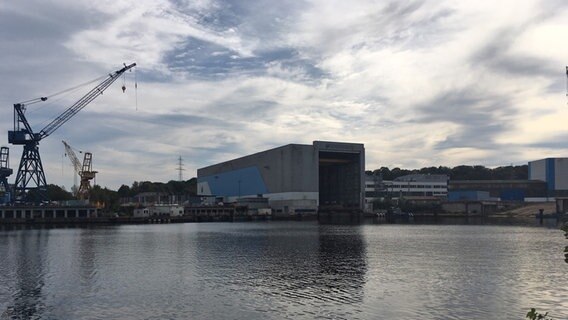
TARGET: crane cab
(21,137)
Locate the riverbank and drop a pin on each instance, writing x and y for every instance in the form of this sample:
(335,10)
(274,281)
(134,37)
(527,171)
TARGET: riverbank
(525,215)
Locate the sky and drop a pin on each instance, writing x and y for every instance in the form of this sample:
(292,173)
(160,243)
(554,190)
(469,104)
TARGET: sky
(419,83)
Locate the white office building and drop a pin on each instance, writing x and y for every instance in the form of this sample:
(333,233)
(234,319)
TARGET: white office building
(410,187)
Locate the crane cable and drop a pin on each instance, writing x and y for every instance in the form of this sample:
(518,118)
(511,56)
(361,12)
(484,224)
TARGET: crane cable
(124,82)
(62,95)
(36,100)
(136,87)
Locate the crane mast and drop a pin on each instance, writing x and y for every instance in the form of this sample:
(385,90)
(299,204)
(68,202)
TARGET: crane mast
(87,174)
(30,184)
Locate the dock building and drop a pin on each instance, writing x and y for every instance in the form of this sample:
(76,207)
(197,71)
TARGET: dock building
(426,188)
(296,179)
(497,190)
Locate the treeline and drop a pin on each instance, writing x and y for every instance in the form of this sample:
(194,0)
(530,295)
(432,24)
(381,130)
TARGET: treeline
(171,187)
(459,173)
(111,198)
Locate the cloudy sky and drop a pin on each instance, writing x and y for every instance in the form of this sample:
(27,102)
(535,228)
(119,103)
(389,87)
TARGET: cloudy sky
(420,83)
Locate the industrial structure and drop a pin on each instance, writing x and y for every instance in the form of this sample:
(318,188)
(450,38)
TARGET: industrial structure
(297,179)
(413,187)
(30,184)
(532,190)
(47,213)
(554,172)
(5,172)
(84,171)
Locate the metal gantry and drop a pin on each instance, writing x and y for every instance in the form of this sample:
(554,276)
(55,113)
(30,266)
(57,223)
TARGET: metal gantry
(30,184)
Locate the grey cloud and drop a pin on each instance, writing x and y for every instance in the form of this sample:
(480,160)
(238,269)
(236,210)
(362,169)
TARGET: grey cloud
(102,127)
(34,59)
(557,142)
(261,19)
(238,108)
(496,56)
(404,25)
(205,60)
(34,22)
(401,9)
(480,119)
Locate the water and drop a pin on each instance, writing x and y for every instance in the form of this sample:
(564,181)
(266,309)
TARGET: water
(282,270)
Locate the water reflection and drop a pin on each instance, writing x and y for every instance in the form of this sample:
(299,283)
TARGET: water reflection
(276,270)
(28,298)
(292,269)
(342,262)
(87,268)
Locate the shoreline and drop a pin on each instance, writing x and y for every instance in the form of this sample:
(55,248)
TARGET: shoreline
(417,219)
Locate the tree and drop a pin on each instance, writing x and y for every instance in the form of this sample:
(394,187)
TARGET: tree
(57,193)
(124,191)
(534,315)
(108,198)
(461,172)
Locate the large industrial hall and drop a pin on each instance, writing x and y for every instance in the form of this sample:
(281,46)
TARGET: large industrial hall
(295,178)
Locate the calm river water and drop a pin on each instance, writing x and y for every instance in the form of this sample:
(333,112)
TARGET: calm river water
(282,270)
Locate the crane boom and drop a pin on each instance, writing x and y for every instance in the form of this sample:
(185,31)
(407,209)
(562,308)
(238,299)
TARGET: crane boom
(85,100)
(73,157)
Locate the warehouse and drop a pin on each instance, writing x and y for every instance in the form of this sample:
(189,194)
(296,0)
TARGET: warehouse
(296,178)
(553,171)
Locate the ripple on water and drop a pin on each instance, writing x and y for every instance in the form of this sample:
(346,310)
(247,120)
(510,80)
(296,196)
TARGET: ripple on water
(282,270)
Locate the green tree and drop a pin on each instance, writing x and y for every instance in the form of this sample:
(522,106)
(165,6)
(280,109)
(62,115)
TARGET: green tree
(124,191)
(108,198)
(462,172)
(534,315)
(57,193)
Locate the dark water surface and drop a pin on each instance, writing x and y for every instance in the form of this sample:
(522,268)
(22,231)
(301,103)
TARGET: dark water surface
(282,270)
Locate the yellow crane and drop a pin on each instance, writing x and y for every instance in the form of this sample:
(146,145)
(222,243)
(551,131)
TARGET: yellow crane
(84,171)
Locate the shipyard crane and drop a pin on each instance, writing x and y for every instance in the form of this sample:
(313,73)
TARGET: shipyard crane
(84,171)
(31,176)
(5,172)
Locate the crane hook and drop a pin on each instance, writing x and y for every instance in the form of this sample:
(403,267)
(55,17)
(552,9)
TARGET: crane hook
(124,82)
